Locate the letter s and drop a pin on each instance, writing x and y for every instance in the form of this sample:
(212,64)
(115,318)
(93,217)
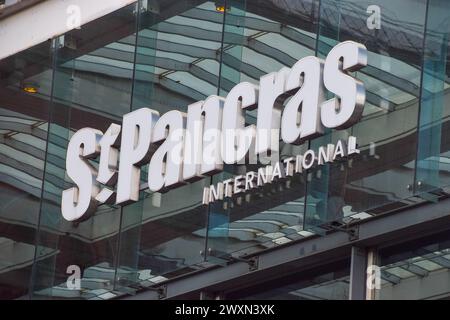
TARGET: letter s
(344,110)
(79,201)
(301,116)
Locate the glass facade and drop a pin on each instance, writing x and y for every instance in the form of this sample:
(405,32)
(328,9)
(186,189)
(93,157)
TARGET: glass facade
(328,282)
(416,271)
(167,54)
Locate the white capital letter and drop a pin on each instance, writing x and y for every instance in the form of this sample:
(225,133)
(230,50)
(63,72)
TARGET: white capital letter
(79,201)
(134,152)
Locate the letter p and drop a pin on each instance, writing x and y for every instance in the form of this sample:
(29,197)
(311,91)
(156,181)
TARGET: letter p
(134,152)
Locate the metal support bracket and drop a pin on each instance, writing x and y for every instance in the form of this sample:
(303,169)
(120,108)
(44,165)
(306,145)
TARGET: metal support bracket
(351,230)
(228,258)
(161,291)
(252,262)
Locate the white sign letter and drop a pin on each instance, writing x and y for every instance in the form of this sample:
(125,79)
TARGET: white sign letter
(202,141)
(134,151)
(79,201)
(343,111)
(236,138)
(165,168)
(271,98)
(301,116)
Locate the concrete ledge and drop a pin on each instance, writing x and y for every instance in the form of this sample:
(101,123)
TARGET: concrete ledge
(25,25)
(15,8)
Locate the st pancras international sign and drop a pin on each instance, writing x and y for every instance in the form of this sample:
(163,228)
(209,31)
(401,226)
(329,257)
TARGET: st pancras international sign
(183,147)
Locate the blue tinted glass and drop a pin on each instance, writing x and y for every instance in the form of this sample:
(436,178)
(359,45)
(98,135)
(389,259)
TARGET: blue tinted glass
(432,174)
(381,178)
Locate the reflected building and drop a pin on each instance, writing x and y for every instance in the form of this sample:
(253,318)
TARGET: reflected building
(384,214)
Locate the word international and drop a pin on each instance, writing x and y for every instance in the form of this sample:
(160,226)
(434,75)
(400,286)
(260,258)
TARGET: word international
(286,168)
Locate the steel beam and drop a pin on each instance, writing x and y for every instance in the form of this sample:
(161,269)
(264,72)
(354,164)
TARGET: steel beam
(303,255)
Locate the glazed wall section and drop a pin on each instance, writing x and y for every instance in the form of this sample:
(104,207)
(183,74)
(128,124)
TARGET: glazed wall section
(168,54)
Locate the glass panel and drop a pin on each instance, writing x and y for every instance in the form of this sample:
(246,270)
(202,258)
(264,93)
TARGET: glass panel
(7,3)
(91,88)
(433,171)
(163,235)
(380,178)
(261,36)
(323,283)
(419,270)
(25,89)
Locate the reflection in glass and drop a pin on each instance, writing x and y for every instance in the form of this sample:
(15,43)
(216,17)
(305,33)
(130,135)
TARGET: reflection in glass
(419,270)
(261,37)
(381,178)
(182,52)
(177,63)
(91,88)
(432,172)
(330,282)
(25,90)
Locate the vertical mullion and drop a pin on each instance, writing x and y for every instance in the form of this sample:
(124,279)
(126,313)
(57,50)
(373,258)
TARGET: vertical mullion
(358,265)
(119,233)
(413,190)
(53,55)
